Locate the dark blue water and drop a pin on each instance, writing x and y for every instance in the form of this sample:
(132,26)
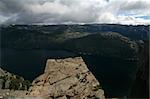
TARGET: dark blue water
(115,75)
(29,63)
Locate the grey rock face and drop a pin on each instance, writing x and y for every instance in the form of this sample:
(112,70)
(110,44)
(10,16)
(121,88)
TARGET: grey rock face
(2,72)
(7,84)
(12,86)
(66,78)
(1,83)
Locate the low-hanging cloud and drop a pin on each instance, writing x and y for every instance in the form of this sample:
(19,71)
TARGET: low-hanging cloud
(74,11)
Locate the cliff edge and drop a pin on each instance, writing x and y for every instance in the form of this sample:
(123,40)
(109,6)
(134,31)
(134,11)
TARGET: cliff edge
(66,78)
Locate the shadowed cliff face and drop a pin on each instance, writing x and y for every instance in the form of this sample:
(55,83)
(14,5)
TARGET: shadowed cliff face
(115,74)
(140,87)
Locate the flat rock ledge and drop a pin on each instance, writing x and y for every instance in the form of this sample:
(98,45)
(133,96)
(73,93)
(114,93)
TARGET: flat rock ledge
(67,78)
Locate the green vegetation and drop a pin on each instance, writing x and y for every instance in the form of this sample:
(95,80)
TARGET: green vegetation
(15,82)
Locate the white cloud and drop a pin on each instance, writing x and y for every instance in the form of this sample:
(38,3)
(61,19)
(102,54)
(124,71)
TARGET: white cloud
(132,20)
(74,11)
(107,18)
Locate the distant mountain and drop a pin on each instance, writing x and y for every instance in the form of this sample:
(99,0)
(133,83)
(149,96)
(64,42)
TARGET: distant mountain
(139,32)
(105,44)
(100,39)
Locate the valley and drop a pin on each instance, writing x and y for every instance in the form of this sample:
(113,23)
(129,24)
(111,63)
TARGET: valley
(110,51)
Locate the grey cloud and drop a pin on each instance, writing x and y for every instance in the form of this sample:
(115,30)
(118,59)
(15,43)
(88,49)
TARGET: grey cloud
(68,11)
(135,5)
(10,7)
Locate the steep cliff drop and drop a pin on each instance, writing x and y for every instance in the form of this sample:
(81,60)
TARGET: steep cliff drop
(66,78)
(140,88)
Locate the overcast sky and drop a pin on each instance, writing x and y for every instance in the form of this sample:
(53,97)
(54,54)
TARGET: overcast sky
(74,11)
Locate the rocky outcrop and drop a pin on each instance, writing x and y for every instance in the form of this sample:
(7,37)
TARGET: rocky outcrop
(12,81)
(12,85)
(66,78)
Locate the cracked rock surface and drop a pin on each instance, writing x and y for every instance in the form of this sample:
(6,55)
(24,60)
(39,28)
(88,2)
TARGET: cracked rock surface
(66,79)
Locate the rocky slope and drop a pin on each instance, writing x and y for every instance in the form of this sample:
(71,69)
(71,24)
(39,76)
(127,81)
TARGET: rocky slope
(12,85)
(12,81)
(66,78)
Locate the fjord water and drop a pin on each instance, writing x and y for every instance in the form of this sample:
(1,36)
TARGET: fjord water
(115,75)
(29,63)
